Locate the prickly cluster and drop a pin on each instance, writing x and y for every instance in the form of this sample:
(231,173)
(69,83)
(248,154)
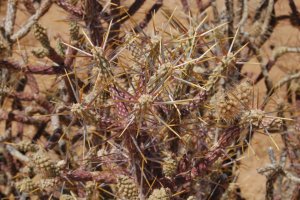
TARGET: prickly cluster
(160,194)
(66,197)
(26,185)
(44,163)
(48,184)
(27,146)
(169,165)
(40,34)
(232,103)
(40,53)
(74,32)
(260,119)
(127,188)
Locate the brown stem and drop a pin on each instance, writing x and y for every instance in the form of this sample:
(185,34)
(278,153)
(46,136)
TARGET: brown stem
(203,6)
(158,4)
(185,5)
(54,56)
(230,17)
(295,16)
(229,135)
(93,24)
(57,132)
(77,12)
(32,69)
(131,11)
(22,32)
(32,83)
(21,117)
(115,28)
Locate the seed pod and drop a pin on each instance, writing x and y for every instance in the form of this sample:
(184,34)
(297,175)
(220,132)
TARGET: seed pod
(41,35)
(74,32)
(127,188)
(48,183)
(160,194)
(27,146)
(228,108)
(91,191)
(231,104)
(26,185)
(169,165)
(242,93)
(191,198)
(45,164)
(66,197)
(61,48)
(40,53)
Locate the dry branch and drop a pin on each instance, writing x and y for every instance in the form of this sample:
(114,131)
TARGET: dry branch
(10,17)
(77,12)
(156,6)
(45,6)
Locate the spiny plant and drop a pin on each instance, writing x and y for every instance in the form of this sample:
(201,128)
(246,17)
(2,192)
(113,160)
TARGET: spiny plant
(134,113)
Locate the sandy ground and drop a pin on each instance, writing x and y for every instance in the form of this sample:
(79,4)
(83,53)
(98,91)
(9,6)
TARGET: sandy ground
(252,184)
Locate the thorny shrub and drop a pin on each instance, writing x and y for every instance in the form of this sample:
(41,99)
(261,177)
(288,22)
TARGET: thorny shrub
(135,113)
